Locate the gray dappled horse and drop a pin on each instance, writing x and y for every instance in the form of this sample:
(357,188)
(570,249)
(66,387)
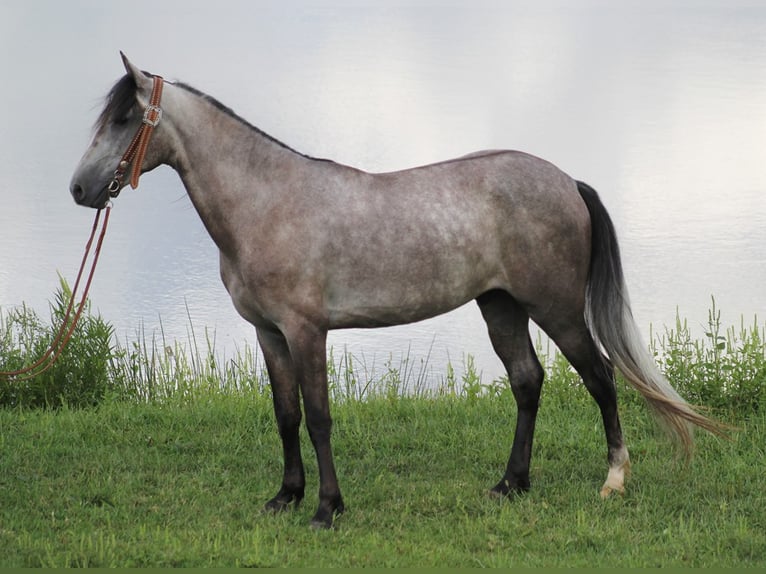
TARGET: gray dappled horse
(309,245)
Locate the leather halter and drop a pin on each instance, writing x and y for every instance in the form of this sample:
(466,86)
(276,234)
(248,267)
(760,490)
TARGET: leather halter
(137,148)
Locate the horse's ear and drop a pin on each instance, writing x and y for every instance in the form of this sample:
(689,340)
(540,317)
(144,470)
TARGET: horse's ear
(141,79)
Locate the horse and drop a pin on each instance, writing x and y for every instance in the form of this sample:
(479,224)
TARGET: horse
(308,245)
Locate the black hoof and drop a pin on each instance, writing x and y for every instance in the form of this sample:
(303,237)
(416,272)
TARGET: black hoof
(507,489)
(325,516)
(322,524)
(284,500)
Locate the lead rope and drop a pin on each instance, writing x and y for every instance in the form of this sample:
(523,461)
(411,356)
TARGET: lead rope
(64,334)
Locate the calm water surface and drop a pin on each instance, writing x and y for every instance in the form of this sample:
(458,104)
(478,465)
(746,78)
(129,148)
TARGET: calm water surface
(659,105)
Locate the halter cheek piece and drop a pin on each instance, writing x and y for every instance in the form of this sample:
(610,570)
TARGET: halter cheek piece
(137,148)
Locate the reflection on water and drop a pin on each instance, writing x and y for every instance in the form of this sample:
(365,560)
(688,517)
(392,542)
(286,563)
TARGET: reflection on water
(659,105)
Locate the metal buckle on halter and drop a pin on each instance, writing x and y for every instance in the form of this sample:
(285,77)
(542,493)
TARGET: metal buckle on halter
(115,186)
(151,109)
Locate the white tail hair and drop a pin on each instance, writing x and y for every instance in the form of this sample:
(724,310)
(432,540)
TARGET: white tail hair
(611,323)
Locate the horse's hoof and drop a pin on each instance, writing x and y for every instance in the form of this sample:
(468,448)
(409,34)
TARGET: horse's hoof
(281,503)
(324,519)
(321,524)
(607,490)
(496,494)
(615,480)
(504,489)
(276,506)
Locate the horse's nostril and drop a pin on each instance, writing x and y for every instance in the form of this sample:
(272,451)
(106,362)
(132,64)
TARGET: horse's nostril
(78,193)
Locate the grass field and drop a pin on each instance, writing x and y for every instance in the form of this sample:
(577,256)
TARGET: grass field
(170,458)
(183,484)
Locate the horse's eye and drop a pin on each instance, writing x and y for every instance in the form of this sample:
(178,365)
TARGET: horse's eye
(122,117)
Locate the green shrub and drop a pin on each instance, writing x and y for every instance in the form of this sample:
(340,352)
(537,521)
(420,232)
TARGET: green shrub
(80,376)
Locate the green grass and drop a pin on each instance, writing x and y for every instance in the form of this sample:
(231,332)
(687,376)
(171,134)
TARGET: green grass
(166,456)
(128,484)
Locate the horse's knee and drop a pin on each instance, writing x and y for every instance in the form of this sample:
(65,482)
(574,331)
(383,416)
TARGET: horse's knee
(319,426)
(288,421)
(526,379)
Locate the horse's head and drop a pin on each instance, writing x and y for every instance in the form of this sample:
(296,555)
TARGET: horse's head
(116,130)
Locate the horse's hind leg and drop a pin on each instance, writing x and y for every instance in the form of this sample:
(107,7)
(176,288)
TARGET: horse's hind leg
(508,325)
(576,343)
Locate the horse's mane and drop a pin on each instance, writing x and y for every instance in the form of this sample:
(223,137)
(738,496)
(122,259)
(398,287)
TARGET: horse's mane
(122,97)
(118,102)
(229,112)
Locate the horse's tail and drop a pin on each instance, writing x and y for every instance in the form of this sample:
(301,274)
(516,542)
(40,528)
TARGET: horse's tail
(611,323)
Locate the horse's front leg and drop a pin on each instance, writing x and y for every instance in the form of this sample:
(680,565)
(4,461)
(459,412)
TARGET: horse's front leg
(284,390)
(308,349)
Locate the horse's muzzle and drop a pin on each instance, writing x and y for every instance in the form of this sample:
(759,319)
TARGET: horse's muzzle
(81,197)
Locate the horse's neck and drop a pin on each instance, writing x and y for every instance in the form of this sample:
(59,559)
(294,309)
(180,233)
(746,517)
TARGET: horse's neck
(227,167)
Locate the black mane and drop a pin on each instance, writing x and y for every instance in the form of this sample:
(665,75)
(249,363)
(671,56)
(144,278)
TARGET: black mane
(118,102)
(229,112)
(122,97)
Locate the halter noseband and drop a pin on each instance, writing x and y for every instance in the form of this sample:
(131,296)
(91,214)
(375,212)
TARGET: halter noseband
(137,148)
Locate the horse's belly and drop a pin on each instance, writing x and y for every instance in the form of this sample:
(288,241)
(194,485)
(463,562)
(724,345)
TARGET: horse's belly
(393,299)
(369,316)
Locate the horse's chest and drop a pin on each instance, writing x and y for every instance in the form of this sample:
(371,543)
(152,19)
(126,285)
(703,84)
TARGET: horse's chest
(261,290)
(244,295)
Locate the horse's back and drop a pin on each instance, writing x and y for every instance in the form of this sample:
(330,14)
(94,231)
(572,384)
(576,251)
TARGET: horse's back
(510,200)
(418,242)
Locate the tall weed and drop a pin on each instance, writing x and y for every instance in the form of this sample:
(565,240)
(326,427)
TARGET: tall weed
(725,370)
(153,369)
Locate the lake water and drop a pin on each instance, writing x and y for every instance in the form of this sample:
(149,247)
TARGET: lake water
(660,105)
